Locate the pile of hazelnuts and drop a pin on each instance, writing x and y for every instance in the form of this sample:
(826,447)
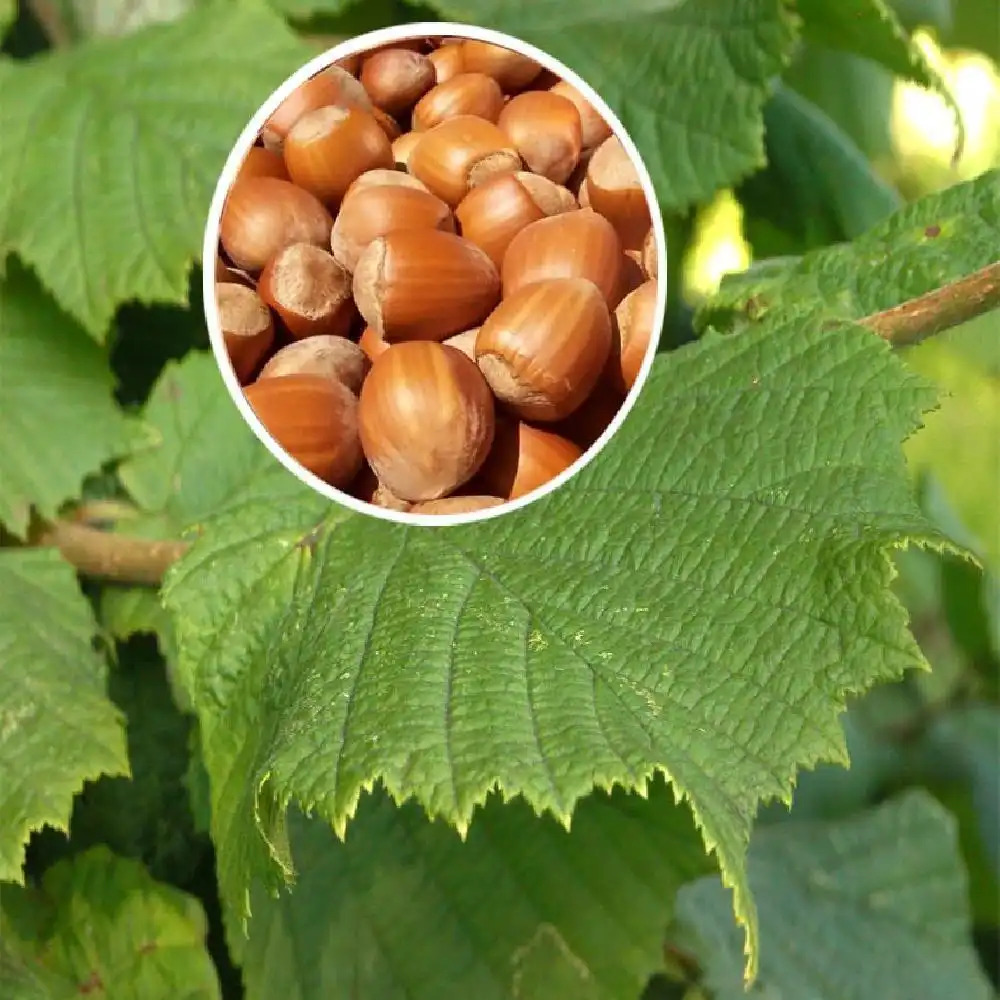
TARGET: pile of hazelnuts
(436,276)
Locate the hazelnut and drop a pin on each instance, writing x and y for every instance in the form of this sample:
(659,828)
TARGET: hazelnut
(614,190)
(333,85)
(593,128)
(314,419)
(247,327)
(397,78)
(426,420)
(332,357)
(510,69)
(424,285)
(545,130)
(633,327)
(456,505)
(262,215)
(523,459)
(464,94)
(447,62)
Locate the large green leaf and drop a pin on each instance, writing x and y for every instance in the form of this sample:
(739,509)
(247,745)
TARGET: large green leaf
(688,78)
(57,726)
(871,906)
(817,188)
(405,909)
(100,925)
(698,601)
(112,149)
(58,417)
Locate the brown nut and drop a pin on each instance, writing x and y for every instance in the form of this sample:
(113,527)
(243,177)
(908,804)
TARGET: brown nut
(397,78)
(615,190)
(580,244)
(372,343)
(247,327)
(333,85)
(543,348)
(263,215)
(464,94)
(424,285)
(326,150)
(591,419)
(523,459)
(545,129)
(465,342)
(649,259)
(309,291)
(426,420)
(447,62)
(332,357)
(492,214)
(510,69)
(383,177)
(593,128)
(315,420)
(461,153)
(379,210)
(633,328)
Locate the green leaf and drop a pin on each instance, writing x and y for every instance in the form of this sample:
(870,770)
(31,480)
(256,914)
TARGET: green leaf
(687,78)
(871,29)
(928,244)
(57,726)
(405,909)
(682,606)
(100,924)
(57,408)
(872,906)
(817,188)
(8,15)
(104,185)
(116,18)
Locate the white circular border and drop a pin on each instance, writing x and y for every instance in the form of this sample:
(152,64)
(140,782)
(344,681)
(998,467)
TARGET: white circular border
(363,43)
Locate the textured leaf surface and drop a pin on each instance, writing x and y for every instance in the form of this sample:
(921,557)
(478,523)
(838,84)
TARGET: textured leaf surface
(104,186)
(100,925)
(925,245)
(523,908)
(872,906)
(817,188)
(688,78)
(698,601)
(57,726)
(58,417)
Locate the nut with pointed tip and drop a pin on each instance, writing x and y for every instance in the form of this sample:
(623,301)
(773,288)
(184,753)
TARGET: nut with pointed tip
(447,62)
(309,291)
(633,328)
(315,420)
(333,85)
(332,357)
(512,70)
(461,153)
(372,343)
(523,459)
(397,78)
(367,487)
(457,505)
(593,127)
(580,244)
(465,94)
(492,214)
(262,215)
(615,190)
(247,327)
(426,420)
(545,129)
(379,210)
(424,285)
(326,150)
(543,348)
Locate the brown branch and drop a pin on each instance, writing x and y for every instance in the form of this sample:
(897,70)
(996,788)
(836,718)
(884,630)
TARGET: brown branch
(940,310)
(111,556)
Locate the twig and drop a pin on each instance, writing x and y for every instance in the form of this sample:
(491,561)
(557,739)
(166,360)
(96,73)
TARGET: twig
(940,310)
(108,555)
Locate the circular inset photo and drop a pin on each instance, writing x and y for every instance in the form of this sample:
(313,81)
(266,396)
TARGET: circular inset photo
(439,273)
